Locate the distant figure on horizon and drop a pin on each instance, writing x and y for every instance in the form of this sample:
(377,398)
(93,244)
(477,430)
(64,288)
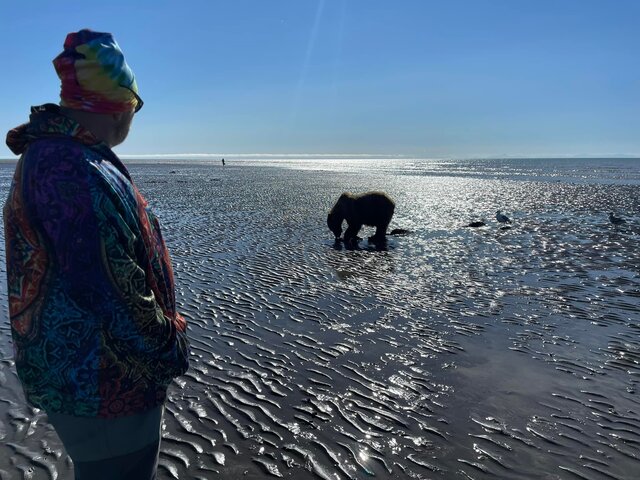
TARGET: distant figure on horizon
(223,162)
(616,220)
(501,218)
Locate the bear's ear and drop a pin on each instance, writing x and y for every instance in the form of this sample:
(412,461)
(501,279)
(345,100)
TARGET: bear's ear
(344,196)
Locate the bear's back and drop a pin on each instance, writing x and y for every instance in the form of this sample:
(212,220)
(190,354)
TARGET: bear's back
(371,208)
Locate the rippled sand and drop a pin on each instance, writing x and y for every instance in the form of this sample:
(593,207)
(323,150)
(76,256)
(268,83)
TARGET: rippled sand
(456,353)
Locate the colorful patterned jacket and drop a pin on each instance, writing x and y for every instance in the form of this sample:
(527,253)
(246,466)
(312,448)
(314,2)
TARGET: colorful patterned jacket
(91,291)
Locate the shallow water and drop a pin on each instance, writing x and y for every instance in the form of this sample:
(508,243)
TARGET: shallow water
(454,353)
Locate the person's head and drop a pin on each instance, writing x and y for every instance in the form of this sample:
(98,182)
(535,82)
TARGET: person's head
(110,128)
(98,89)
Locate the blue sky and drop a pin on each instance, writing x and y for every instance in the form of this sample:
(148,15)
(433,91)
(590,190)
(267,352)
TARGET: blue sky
(449,78)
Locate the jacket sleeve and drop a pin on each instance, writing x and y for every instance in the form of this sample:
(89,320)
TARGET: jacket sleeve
(100,258)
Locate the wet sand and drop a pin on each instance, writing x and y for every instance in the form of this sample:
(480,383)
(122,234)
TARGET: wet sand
(454,353)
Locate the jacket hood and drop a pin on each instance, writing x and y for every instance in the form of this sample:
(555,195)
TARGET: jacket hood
(47,121)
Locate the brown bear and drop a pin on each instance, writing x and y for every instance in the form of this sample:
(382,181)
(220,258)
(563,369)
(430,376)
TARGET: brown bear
(374,209)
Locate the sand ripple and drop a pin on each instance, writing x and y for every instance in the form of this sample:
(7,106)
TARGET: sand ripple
(455,353)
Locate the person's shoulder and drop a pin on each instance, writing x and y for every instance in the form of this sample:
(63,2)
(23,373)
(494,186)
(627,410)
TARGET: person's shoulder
(60,161)
(55,152)
(60,154)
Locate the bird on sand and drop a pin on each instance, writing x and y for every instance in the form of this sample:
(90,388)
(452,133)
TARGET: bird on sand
(501,218)
(616,220)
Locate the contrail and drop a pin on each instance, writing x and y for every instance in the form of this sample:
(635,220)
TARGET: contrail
(307,58)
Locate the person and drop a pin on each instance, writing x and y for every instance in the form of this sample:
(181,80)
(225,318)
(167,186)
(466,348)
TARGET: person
(97,338)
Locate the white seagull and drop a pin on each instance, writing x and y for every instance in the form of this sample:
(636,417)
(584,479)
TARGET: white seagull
(616,220)
(502,218)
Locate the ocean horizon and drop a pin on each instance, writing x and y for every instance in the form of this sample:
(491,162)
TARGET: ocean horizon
(620,169)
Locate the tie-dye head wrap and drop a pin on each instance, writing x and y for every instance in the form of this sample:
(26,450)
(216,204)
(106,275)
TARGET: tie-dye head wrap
(95,76)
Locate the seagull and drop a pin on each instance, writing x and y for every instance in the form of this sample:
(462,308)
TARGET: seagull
(616,220)
(502,218)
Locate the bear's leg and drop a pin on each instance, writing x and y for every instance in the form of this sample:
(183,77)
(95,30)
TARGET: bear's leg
(381,232)
(351,234)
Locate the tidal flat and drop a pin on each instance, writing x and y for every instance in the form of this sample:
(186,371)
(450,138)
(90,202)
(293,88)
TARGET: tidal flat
(451,353)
